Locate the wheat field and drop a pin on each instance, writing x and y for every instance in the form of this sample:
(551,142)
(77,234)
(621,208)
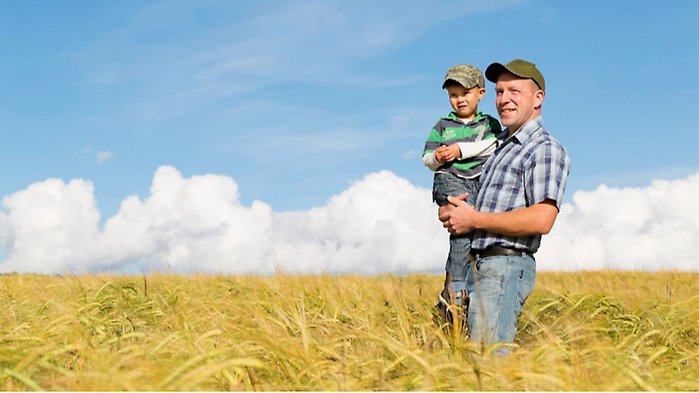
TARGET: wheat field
(579,331)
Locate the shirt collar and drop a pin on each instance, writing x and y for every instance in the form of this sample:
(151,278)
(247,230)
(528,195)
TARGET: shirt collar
(527,130)
(452,116)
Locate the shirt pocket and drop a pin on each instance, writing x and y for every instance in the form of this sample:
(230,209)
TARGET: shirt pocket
(506,183)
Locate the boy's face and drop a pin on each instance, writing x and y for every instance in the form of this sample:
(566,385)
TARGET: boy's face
(465,101)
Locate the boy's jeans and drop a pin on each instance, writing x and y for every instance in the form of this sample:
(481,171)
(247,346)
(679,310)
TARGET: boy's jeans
(446,185)
(498,287)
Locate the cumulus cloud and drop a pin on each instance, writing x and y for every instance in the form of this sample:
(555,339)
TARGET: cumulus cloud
(49,224)
(380,224)
(651,228)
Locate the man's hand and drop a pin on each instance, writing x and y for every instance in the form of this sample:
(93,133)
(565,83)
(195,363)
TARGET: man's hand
(447,153)
(458,217)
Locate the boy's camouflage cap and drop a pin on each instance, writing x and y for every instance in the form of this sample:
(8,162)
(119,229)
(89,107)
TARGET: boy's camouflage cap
(466,75)
(518,67)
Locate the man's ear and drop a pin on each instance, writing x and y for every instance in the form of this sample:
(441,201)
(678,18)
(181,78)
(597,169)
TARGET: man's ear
(539,98)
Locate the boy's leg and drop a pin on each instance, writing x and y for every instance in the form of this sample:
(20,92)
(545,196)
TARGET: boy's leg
(458,265)
(459,247)
(454,295)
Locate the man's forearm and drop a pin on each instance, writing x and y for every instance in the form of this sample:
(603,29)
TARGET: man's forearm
(533,220)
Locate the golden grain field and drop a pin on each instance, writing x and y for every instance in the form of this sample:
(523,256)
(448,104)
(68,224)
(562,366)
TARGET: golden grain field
(579,331)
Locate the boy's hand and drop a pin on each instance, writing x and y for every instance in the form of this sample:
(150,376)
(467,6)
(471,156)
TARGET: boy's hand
(447,153)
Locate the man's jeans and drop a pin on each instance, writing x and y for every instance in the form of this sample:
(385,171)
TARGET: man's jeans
(498,287)
(446,185)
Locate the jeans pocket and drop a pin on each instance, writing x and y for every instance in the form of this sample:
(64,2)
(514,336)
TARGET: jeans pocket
(491,268)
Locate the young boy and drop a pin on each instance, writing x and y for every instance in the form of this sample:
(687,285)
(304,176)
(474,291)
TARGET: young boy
(455,150)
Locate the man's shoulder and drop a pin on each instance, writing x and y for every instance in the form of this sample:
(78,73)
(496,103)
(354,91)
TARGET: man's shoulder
(546,147)
(535,138)
(542,136)
(535,132)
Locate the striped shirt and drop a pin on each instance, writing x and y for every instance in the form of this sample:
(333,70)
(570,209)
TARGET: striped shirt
(450,130)
(527,168)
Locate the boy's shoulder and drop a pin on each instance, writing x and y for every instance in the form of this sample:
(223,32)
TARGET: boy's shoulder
(492,122)
(480,120)
(450,116)
(488,125)
(481,115)
(448,120)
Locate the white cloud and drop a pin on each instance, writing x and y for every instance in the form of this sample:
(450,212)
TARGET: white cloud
(190,225)
(651,228)
(49,224)
(381,224)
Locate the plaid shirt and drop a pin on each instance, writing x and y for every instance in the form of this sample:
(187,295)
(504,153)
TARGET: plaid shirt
(526,169)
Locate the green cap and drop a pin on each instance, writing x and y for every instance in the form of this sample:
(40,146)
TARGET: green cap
(518,67)
(466,75)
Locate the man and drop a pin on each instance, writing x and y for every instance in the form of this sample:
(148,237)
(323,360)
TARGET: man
(521,191)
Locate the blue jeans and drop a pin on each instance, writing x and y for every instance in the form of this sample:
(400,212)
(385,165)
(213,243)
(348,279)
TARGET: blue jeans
(498,286)
(446,185)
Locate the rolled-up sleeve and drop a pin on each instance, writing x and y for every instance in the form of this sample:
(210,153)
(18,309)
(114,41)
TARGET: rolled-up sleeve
(547,174)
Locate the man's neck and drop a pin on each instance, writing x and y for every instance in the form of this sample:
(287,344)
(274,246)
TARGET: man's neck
(511,132)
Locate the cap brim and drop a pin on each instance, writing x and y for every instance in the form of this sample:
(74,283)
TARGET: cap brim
(494,70)
(460,82)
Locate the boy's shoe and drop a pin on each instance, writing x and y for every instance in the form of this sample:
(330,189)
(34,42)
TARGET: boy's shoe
(445,308)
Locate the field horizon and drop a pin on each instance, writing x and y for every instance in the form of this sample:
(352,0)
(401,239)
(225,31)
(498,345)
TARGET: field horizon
(590,330)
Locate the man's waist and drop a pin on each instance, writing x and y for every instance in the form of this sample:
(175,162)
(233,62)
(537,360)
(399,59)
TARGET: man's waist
(493,251)
(481,240)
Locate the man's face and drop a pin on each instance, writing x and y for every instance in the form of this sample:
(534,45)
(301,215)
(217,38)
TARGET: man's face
(465,101)
(517,100)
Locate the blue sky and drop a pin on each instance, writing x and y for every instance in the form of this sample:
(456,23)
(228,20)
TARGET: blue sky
(295,100)
(231,136)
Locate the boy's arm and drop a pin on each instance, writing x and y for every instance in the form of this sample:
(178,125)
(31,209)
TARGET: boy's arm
(467,150)
(430,161)
(443,154)
(434,141)
(480,148)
